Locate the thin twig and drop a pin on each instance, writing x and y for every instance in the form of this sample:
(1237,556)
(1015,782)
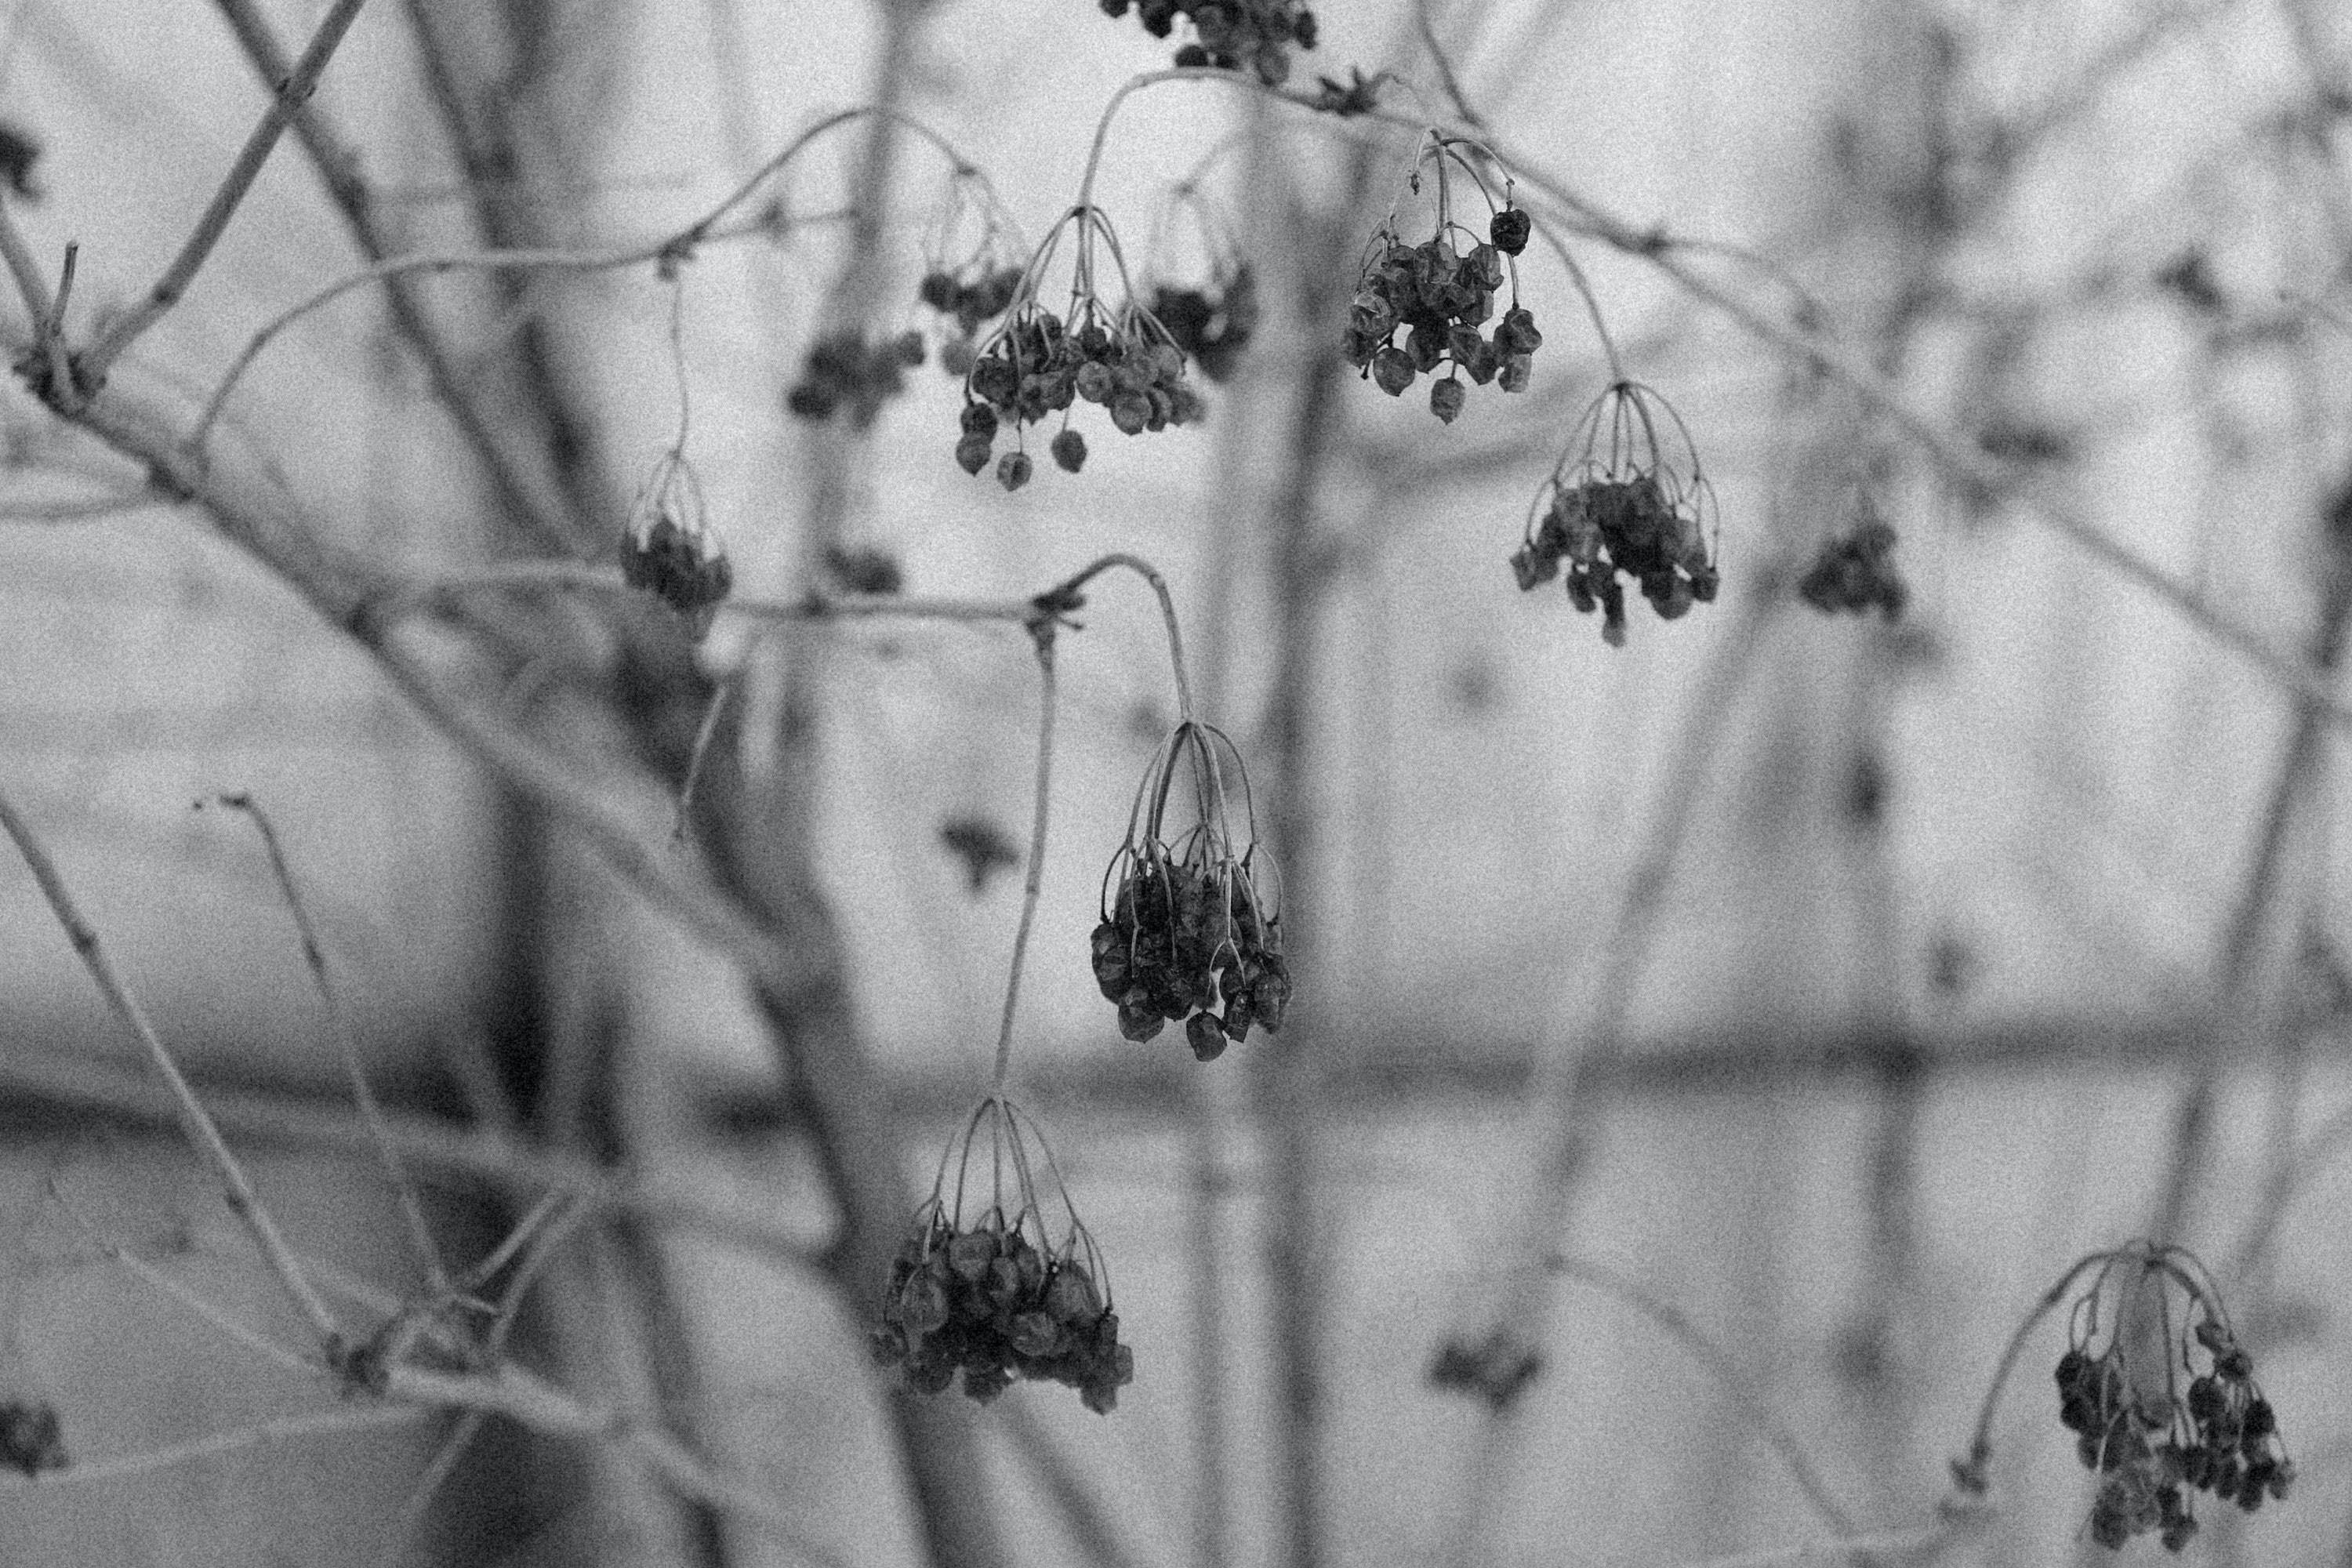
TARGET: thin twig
(1752,1404)
(1970,1471)
(572,577)
(164,1284)
(339,1024)
(1067,590)
(1922,1543)
(90,509)
(544,1408)
(464,396)
(699,753)
(432,1148)
(1975,473)
(32,287)
(293,92)
(702,228)
(2277,888)
(202,1136)
(330,1421)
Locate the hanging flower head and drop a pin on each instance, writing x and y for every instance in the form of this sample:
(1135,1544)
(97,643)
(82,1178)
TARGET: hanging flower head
(1438,293)
(1039,362)
(971,266)
(2161,1397)
(1854,572)
(669,549)
(1622,499)
(1189,932)
(995,1282)
(1212,316)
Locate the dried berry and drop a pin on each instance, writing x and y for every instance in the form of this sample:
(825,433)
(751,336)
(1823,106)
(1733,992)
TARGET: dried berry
(1069,449)
(1012,469)
(1508,230)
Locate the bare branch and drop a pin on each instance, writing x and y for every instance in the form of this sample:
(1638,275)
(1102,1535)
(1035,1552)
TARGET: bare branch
(202,1136)
(315,1424)
(292,92)
(339,1025)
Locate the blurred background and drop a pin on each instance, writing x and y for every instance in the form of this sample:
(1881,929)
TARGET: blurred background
(1750,1022)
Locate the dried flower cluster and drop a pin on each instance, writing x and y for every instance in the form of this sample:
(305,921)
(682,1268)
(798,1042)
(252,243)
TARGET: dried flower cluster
(32,1440)
(988,1293)
(668,549)
(1039,364)
(969,302)
(1189,935)
(845,371)
(2148,1417)
(1233,35)
(1437,295)
(971,267)
(1619,502)
(1212,323)
(1856,572)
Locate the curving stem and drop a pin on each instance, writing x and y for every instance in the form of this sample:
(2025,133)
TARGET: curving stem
(1042,634)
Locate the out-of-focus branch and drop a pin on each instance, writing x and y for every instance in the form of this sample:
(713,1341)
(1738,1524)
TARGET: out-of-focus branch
(537,515)
(203,1134)
(306,1428)
(1754,1407)
(293,89)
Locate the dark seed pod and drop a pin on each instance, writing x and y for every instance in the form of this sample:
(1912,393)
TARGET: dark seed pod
(972,453)
(1012,469)
(1392,371)
(1509,230)
(1069,449)
(1446,399)
(1206,1036)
